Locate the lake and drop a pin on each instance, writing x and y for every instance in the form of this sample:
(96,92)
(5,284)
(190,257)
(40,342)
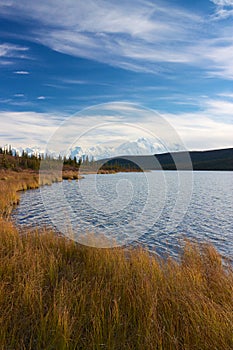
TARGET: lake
(158,209)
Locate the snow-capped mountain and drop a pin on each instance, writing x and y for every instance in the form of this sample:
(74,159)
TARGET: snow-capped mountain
(75,152)
(29,150)
(141,146)
(36,151)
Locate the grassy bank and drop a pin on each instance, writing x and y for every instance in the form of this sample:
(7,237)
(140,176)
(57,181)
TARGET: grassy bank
(12,182)
(55,294)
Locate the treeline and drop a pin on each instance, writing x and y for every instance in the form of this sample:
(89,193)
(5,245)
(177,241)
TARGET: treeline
(119,165)
(9,159)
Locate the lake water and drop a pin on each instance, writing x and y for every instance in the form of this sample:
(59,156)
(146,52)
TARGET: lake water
(156,209)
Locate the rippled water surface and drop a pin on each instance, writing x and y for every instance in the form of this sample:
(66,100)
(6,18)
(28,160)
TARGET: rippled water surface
(158,209)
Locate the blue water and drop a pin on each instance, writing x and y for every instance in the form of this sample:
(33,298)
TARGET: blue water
(155,209)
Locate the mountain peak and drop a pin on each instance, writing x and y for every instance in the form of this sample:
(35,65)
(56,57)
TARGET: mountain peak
(140,146)
(142,139)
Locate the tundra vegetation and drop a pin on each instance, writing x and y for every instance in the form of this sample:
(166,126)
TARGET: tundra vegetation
(57,294)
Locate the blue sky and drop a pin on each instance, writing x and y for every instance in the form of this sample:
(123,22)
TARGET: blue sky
(58,57)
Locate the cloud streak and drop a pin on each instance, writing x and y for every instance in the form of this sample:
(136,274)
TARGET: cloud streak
(135,35)
(224,9)
(18,95)
(208,128)
(21,72)
(30,128)
(8,52)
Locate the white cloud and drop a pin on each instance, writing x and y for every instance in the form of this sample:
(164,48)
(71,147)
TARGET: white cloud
(9,51)
(199,131)
(135,35)
(123,34)
(21,72)
(224,9)
(27,128)
(18,95)
(228,95)
(223,2)
(220,108)
(75,81)
(41,98)
(4,62)
(209,128)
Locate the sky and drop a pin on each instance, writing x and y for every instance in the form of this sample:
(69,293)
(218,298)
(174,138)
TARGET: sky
(174,57)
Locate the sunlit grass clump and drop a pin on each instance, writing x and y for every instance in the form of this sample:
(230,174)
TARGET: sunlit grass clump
(55,294)
(12,182)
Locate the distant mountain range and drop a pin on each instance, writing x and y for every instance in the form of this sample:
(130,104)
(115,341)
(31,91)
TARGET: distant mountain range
(141,146)
(142,151)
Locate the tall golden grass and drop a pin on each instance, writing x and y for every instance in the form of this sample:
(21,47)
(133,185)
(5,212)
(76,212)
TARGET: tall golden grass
(10,184)
(56,294)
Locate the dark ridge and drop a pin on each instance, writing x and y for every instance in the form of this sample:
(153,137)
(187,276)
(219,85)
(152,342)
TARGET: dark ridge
(221,159)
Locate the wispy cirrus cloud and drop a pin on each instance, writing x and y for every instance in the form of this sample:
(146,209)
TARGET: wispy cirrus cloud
(219,108)
(8,52)
(197,130)
(18,95)
(30,128)
(228,95)
(21,72)
(223,2)
(141,36)
(125,34)
(74,81)
(224,9)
